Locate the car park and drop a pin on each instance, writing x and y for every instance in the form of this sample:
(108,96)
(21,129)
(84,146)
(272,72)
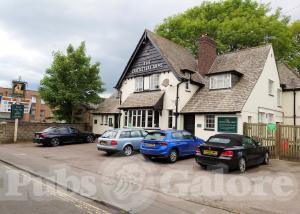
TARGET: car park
(121,140)
(54,136)
(169,144)
(231,151)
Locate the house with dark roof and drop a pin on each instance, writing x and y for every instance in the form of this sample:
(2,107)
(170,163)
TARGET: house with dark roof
(163,86)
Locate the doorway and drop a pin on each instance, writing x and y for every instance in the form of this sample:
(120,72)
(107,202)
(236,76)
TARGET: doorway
(189,123)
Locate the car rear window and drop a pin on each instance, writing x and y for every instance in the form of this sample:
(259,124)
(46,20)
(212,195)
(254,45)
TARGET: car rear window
(51,130)
(155,136)
(109,134)
(219,140)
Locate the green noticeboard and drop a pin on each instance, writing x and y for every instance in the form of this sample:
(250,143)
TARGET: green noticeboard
(17,111)
(227,124)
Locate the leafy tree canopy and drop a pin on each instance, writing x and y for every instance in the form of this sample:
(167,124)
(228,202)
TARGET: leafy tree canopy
(70,82)
(235,24)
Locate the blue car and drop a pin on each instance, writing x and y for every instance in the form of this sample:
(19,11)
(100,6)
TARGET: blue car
(169,144)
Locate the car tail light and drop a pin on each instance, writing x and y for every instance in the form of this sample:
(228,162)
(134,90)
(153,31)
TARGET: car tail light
(227,154)
(42,136)
(114,142)
(163,143)
(198,151)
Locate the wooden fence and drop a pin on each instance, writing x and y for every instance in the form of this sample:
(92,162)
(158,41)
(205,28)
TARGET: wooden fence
(283,142)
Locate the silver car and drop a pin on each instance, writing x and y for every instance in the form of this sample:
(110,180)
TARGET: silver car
(121,140)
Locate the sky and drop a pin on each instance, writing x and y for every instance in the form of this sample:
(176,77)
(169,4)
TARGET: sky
(30,30)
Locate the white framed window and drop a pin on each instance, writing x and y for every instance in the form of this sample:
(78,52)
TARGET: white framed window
(141,118)
(271,87)
(270,118)
(154,82)
(220,81)
(261,117)
(33,99)
(170,119)
(249,119)
(139,83)
(210,122)
(279,97)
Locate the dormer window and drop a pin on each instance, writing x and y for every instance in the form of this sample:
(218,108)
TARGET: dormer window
(220,81)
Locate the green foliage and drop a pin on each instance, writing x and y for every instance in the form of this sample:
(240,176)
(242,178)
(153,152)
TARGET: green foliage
(234,24)
(70,82)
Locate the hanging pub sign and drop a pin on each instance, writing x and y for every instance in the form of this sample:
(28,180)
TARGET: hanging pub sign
(227,124)
(19,88)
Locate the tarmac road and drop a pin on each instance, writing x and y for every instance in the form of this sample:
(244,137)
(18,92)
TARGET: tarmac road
(36,196)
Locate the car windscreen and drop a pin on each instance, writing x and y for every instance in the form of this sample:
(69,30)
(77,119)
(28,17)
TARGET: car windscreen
(218,140)
(155,136)
(109,134)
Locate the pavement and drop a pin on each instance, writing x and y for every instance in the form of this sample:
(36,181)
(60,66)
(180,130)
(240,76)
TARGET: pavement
(142,186)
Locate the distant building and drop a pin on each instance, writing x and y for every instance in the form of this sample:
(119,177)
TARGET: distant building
(36,110)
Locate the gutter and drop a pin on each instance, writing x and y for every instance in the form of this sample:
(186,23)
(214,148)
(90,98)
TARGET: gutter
(176,102)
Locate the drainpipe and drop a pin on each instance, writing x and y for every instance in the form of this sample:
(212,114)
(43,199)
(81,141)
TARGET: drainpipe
(176,102)
(294,92)
(120,102)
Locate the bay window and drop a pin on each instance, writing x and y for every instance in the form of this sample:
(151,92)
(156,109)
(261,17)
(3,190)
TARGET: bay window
(220,81)
(141,118)
(139,83)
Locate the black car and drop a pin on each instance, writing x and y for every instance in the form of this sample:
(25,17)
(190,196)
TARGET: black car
(231,151)
(55,136)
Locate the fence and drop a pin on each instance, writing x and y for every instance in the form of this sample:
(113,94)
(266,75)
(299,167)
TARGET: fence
(26,130)
(283,142)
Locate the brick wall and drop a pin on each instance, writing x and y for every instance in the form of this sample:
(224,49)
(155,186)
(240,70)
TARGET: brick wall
(26,130)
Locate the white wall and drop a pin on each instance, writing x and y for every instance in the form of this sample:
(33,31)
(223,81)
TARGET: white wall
(100,128)
(288,107)
(205,134)
(259,99)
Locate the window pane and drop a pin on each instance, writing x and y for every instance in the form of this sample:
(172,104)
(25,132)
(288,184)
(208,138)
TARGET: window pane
(125,134)
(187,136)
(109,134)
(139,83)
(143,118)
(150,118)
(218,140)
(136,134)
(170,119)
(155,136)
(177,135)
(156,119)
(210,121)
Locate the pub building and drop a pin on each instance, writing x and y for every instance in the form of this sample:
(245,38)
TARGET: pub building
(164,87)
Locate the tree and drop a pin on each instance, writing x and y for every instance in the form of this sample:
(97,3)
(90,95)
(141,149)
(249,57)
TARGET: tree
(70,82)
(234,24)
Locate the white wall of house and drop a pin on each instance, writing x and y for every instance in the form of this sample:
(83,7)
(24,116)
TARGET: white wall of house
(101,124)
(288,107)
(262,106)
(202,132)
(128,87)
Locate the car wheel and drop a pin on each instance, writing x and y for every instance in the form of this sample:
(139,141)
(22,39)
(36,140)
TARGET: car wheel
(242,165)
(89,139)
(266,159)
(55,142)
(173,155)
(128,150)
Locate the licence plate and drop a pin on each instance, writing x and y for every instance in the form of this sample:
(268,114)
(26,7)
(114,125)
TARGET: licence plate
(103,142)
(210,152)
(150,144)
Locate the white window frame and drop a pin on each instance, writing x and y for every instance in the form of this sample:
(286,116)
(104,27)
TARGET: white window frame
(33,99)
(271,87)
(154,82)
(210,122)
(138,117)
(220,81)
(139,84)
(261,117)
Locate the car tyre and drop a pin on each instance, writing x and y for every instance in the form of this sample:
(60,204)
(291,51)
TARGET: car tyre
(242,165)
(266,159)
(173,156)
(89,139)
(128,150)
(55,142)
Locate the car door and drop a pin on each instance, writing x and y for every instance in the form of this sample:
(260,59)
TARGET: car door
(74,135)
(190,140)
(136,139)
(64,134)
(124,138)
(251,150)
(180,143)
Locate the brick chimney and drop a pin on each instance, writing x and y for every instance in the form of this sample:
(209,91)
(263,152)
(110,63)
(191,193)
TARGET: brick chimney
(207,54)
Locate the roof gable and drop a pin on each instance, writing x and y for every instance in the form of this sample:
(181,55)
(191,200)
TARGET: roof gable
(289,78)
(157,54)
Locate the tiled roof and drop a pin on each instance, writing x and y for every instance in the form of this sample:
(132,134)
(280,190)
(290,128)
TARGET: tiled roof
(152,99)
(109,106)
(177,56)
(250,63)
(288,77)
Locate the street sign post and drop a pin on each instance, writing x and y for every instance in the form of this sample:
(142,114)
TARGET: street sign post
(17,111)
